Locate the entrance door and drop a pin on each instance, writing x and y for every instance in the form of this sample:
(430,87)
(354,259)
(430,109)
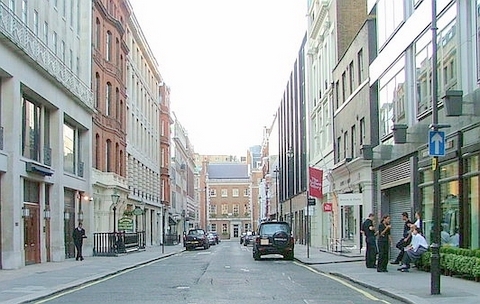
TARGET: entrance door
(235,230)
(32,234)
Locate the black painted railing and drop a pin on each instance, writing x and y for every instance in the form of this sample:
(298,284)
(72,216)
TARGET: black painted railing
(114,243)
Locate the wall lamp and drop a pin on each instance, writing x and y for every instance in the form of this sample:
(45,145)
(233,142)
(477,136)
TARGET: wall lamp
(46,214)
(25,212)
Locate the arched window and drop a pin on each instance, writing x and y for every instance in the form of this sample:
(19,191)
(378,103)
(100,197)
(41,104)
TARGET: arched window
(108,99)
(117,104)
(97,89)
(117,159)
(97,151)
(98,33)
(108,46)
(108,155)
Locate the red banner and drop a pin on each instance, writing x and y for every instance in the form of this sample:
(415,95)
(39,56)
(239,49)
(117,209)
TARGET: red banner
(315,182)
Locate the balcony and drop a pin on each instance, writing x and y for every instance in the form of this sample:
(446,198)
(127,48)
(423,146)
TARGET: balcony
(108,179)
(20,37)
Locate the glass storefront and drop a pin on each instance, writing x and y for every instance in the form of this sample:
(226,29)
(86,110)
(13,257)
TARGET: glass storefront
(450,204)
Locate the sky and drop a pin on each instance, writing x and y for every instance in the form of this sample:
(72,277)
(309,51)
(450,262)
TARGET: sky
(227,63)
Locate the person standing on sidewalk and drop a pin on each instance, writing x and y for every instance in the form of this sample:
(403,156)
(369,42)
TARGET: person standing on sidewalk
(405,240)
(383,242)
(369,231)
(78,236)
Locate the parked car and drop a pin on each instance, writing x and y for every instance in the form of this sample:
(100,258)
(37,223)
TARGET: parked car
(217,237)
(211,238)
(196,238)
(274,238)
(248,239)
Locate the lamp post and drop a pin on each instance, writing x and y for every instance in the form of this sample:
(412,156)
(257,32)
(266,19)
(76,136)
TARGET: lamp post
(115,197)
(277,192)
(435,259)
(290,156)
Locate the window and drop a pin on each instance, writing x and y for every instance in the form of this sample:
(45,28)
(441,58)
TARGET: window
(45,33)
(213,209)
(55,43)
(236,209)
(362,132)
(35,22)
(213,227)
(24,11)
(235,192)
(108,99)
(353,143)
(338,148)
(108,46)
(246,192)
(224,192)
(96,89)
(224,209)
(70,61)
(98,33)
(391,90)
(390,15)
(71,149)
(446,47)
(345,145)
(351,74)
(31,130)
(360,66)
(213,193)
(62,51)
(109,156)
(11,5)
(224,229)
(344,88)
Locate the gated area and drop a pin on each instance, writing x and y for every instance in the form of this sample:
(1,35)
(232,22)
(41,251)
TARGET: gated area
(114,243)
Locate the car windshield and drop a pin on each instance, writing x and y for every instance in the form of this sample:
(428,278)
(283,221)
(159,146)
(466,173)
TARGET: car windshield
(270,229)
(196,232)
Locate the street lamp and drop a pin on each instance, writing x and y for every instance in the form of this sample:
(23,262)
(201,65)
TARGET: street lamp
(277,192)
(290,156)
(115,197)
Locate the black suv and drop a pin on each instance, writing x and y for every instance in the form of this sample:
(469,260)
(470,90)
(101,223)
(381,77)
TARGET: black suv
(274,238)
(196,238)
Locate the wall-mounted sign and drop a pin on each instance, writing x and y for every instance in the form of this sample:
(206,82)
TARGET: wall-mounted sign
(125,224)
(350,199)
(327,207)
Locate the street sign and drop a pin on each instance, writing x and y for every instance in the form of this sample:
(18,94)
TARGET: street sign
(311,202)
(436,143)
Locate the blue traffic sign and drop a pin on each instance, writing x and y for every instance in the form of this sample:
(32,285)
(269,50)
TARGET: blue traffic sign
(436,143)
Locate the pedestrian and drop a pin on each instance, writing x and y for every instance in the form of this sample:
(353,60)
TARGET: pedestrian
(369,231)
(383,243)
(405,240)
(78,236)
(418,222)
(414,251)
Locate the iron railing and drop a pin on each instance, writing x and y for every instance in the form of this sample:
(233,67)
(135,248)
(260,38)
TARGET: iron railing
(114,243)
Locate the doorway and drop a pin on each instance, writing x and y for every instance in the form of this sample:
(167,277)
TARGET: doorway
(31,224)
(235,230)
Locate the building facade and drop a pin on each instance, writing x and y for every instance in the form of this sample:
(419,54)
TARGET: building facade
(229,199)
(402,72)
(109,59)
(144,86)
(46,108)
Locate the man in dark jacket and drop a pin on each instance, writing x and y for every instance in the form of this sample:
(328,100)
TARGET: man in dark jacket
(369,231)
(405,240)
(78,236)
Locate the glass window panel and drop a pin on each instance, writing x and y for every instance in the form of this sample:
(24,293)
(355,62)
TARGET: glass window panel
(68,149)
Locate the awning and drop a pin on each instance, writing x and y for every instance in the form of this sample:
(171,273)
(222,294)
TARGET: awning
(38,169)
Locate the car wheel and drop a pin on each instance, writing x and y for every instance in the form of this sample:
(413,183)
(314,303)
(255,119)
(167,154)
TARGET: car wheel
(288,256)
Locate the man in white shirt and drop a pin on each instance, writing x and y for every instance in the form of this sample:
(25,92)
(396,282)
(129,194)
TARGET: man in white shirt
(414,251)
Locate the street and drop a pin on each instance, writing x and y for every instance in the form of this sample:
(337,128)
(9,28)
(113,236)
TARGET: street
(225,273)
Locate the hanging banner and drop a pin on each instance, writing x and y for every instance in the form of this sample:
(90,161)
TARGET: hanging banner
(327,207)
(315,182)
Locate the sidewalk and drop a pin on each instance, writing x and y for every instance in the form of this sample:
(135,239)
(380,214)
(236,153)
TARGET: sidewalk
(40,280)
(410,287)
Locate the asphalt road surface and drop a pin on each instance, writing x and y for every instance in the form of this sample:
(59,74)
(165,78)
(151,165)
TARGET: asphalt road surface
(225,273)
